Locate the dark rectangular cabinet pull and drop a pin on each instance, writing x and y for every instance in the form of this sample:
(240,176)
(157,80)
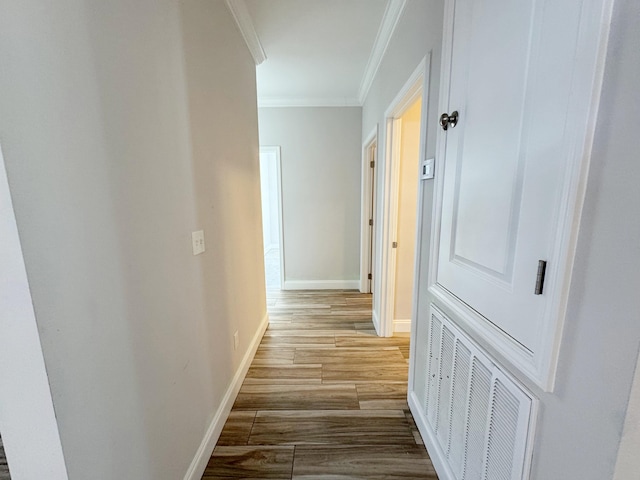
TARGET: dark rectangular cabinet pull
(542,269)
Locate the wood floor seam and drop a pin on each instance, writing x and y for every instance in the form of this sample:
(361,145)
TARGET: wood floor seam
(324,398)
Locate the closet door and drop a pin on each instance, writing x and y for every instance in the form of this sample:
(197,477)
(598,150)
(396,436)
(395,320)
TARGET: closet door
(517,95)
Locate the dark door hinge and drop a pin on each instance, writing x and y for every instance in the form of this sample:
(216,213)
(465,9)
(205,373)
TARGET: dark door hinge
(369,276)
(542,270)
(371,221)
(372,163)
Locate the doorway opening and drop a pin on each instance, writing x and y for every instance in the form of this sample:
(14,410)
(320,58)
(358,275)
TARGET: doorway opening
(271,193)
(400,193)
(408,156)
(368,227)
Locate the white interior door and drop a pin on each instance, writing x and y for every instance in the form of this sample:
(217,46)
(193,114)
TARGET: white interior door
(512,80)
(272,228)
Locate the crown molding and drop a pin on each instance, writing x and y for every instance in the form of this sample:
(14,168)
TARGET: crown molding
(241,15)
(273,102)
(387,26)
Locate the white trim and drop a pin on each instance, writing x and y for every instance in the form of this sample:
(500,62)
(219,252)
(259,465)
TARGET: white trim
(438,458)
(540,367)
(321,284)
(424,123)
(440,465)
(199,462)
(270,248)
(275,149)
(418,409)
(27,416)
(388,25)
(286,102)
(367,235)
(376,323)
(402,325)
(416,85)
(394,157)
(241,15)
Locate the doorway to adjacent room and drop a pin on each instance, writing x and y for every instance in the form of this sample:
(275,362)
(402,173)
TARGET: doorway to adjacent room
(271,192)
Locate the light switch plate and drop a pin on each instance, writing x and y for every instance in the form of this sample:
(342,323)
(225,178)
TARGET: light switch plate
(197,239)
(427,168)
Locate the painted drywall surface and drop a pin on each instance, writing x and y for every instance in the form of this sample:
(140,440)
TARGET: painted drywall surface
(580,424)
(628,462)
(418,33)
(407,211)
(582,421)
(29,407)
(320,156)
(125,126)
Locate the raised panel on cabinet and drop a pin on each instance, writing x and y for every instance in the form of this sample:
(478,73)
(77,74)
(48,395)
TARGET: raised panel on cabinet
(524,79)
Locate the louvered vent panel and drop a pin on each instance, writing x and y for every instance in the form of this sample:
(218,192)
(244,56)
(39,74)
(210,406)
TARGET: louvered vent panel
(478,416)
(444,394)
(506,449)
(433,382)
(461,369)
(502,433)
(479,395)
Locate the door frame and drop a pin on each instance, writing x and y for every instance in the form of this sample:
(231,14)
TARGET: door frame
(417,86)
(368,235)
(275,149)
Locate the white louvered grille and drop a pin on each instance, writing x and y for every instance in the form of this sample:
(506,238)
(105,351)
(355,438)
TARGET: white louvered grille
(433,382)
(479,392)
(479,417)
(446,370)
(502,432)
(461,370)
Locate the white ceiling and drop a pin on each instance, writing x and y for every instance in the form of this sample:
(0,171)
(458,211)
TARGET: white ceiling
(318,51)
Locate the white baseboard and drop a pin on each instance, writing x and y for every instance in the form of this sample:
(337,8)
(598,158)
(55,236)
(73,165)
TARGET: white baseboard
(376,321)
(402,325)
(199,463)
(322,284)
(433,449)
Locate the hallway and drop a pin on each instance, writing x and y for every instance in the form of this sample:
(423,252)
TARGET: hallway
(324,398)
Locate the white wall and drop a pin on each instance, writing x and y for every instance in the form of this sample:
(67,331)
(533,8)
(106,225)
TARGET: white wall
(28,408)
(628,462)
(407,211)
(418,33)
(581,422)
(125,126)
(320,156)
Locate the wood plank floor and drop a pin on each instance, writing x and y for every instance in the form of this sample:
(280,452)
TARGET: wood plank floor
(324,398)
(4,468)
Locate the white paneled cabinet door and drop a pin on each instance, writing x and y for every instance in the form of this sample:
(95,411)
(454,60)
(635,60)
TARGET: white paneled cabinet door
(521,77)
